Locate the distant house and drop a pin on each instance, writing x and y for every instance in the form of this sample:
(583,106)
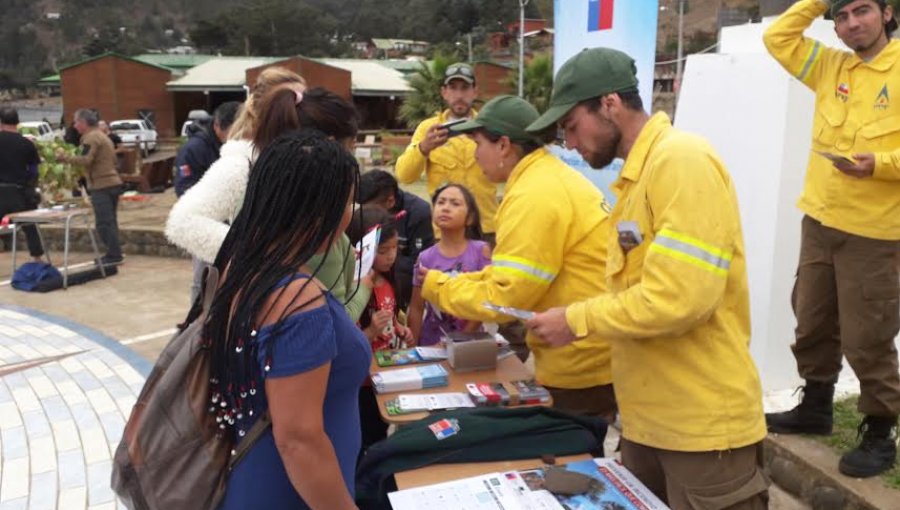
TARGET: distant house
(392,48)
(531,25)
(52,15)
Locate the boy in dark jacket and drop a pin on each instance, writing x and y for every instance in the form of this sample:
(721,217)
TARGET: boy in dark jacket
(202,148)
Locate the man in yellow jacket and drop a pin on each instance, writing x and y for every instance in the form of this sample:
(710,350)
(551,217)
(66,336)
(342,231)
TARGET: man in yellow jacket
(846,293)
(677,309)
(550,252)
(447,159)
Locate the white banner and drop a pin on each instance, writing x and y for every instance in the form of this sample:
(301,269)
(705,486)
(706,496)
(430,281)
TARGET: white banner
(626,25)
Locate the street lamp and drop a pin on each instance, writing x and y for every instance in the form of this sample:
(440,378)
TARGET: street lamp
(679,64)
(522,4)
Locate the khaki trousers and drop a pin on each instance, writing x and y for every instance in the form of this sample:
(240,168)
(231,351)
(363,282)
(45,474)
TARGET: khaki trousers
(846,302)
(718,480)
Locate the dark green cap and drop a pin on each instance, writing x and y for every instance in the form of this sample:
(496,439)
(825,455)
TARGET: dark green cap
(505,116)
(837,5)
(591,73)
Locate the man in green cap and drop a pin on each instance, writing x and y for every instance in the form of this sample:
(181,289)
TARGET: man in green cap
(446,159)
(548,253)
(846,293)
(676,312)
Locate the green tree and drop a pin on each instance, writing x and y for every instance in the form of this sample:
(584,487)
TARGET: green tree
(425,99)
(538,81)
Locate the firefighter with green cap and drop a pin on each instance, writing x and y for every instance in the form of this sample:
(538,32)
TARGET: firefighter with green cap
(676,309)
(846,293)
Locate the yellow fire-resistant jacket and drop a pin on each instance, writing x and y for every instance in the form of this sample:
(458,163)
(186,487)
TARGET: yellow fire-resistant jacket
(551,248)
(677,312)
(452,162)
(854,114)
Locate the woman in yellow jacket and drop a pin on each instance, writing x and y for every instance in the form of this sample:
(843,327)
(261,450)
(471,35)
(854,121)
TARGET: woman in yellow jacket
(550,252)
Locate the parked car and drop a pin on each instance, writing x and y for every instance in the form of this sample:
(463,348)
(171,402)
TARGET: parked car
(195,118)
(40,131)
(136,132)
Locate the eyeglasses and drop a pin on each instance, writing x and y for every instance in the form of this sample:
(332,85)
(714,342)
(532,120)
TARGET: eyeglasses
(456,69)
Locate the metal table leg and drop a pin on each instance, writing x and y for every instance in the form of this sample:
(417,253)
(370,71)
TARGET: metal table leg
(66,253)
(15,228)
(90,231)
(46,248)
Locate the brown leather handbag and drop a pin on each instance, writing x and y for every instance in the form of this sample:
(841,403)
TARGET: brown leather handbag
(173,455)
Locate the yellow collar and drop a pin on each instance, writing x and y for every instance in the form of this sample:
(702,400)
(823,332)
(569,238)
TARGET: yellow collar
(883,61)
(524,164)
(658,124)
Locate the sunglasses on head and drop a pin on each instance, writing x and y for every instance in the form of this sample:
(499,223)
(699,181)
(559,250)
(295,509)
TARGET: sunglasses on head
(459,69)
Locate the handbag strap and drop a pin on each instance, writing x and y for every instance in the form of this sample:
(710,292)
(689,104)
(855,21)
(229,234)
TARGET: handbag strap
(210,288)
(255,432)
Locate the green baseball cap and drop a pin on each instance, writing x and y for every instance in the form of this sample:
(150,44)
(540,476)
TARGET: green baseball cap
(591,73)
(505,116)
(837,5)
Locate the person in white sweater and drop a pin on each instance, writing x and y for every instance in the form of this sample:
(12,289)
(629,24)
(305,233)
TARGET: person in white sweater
(200,220)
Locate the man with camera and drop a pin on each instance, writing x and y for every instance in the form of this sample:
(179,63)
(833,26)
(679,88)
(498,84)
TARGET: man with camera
(445,158)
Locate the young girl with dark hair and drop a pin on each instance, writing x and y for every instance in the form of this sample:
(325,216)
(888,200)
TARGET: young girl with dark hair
(460,250)
(379,320)
(281,343)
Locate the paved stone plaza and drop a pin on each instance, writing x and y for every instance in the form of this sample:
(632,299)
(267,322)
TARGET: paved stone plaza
(65,393)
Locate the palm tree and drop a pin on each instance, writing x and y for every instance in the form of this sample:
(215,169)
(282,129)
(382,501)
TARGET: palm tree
(425,99)
(538,81)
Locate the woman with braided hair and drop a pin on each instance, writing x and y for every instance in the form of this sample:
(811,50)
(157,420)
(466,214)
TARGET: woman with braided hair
(281,343)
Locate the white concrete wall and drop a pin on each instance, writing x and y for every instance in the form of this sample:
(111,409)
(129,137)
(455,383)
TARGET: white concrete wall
(759,120)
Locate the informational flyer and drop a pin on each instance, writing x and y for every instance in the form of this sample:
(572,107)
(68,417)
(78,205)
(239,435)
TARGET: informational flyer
(613,487)
(365,253)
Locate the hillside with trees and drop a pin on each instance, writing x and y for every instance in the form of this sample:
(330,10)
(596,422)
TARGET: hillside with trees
(38,37)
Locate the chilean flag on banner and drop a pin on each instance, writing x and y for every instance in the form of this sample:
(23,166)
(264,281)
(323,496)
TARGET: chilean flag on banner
(600,15)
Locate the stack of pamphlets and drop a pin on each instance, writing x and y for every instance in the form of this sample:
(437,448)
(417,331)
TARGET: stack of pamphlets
(614,487)
(488,394)
(528,392)
(390,358)
(412,378)
(433,402)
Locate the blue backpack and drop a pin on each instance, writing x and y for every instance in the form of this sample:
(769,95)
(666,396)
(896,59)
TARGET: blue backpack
(29,276)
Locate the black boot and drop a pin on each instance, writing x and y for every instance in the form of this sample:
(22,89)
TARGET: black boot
(876,453)
(812,416)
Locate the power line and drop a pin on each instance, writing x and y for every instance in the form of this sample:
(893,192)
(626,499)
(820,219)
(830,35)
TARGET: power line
(675,61)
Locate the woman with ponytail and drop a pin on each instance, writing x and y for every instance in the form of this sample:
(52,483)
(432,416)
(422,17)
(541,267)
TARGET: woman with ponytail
(200,220)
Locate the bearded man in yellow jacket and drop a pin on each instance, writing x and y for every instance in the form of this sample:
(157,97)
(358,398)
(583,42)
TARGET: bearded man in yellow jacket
(846,294)
(676,312)
(550,252)
(445,159)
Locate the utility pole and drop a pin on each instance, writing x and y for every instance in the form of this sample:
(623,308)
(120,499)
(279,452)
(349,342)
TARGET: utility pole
(522,4)
(469,35)
(679,65)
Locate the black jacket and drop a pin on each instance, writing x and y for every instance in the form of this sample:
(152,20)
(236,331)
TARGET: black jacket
(194,158)
(416,234)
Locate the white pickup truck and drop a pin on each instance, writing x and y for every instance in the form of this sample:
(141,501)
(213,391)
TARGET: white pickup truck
(40,131)
(136,132)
